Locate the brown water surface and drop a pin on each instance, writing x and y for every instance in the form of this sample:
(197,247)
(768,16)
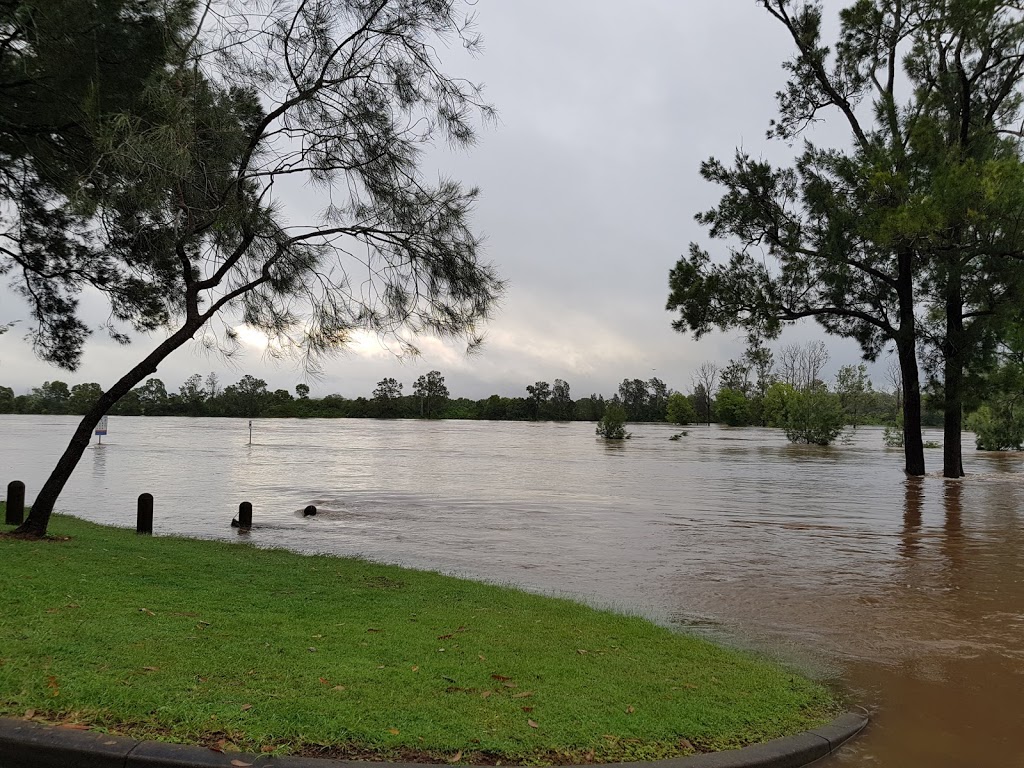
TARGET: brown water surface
(908,594)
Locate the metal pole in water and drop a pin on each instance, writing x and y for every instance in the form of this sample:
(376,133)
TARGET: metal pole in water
(101,430)
(250,432)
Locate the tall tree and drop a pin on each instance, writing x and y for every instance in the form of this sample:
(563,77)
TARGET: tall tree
(704,381)
(800,365)
(539,394)
(432,392)
(248,397)
(634,395)
(921,212)
(562,406)
(826,238)
(387,396)
(967,60)
(192,395)
(854,390)
(657,399)
(83,397)
(342,93)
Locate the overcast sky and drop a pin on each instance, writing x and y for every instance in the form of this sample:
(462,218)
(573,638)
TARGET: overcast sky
(590,184)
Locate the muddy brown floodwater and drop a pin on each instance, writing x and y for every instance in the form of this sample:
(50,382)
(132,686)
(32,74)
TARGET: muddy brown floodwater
(906,594)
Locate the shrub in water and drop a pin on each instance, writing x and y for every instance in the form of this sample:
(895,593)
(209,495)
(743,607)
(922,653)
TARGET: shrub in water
(612,425)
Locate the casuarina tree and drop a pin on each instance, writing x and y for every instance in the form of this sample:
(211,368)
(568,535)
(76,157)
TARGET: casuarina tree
(340,94)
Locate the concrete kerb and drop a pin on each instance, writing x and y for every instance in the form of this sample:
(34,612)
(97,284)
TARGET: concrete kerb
(24,744)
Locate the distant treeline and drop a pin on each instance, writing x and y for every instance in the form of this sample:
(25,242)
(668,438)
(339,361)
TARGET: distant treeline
(740,398)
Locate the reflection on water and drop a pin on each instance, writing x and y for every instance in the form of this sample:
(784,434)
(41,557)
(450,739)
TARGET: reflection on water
(909,592)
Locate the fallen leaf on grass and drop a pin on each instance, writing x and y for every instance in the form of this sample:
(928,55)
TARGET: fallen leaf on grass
(311,649)
(246,707)
(685,744)
(74,726)
(51,683)
(527,709)
(581,651)
(151,669)
(485,694)
(338,688)
(532,724)
(500,677)
(146,611)
(456,757)
(394,731)
(481,657)
(267,748)
(415,669)
(29,714)
(445,637)
(509,685)
(630,710)
(240,763)
(523,695)
(372,629)
(324,681)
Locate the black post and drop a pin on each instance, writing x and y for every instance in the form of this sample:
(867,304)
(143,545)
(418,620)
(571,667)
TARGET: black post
(15,502)
(245,515)
(144,523)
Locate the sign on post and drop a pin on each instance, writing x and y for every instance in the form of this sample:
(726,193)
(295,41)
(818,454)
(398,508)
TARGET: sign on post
(101,429)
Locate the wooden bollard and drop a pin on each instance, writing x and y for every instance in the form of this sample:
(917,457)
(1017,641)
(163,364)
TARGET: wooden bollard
(144,521)
(15,502)
(245,515)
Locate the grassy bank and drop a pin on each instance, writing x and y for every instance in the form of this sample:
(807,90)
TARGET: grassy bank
(232,646)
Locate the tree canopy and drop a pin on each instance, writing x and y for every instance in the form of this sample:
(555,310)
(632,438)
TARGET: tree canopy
(233,103)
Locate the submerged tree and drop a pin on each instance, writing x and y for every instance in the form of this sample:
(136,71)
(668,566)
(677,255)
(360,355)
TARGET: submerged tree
(704,380)
(341,94)
(920,212)
(612,425)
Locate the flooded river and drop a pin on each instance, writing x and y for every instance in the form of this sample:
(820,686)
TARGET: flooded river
(908,594)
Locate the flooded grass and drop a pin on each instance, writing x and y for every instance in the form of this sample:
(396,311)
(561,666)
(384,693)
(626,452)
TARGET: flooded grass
(232,646)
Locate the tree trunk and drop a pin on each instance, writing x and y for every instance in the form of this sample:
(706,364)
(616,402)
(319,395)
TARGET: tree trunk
(913,443)
(906,348)
(39,516)
(953,353)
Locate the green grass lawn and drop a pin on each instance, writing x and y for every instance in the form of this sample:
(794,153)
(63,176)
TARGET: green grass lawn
(266,650)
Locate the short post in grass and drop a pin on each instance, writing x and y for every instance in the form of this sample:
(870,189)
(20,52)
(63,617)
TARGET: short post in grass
(245,515)
(15,502)
(144,520)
